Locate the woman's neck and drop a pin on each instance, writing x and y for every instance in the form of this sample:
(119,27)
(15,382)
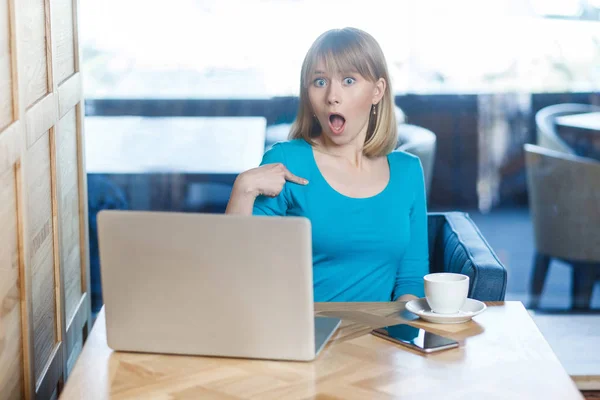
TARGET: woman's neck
(351,152)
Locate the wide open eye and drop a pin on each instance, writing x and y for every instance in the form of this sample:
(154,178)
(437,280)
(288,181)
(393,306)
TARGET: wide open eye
(320,82)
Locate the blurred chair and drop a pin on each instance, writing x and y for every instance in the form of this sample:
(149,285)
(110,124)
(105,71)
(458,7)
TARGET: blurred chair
(564,199)
(400,116)
(421,142)
(276,133)
(418,141)
(546,130)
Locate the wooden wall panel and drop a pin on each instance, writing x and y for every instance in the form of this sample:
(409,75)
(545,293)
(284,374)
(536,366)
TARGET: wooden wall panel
(68,210)
(32,42)
(41,251)
(6,98)
(69,94)
(11,364)
(10,146)
(81,323)
(40,118)
(62,31)
(44,256)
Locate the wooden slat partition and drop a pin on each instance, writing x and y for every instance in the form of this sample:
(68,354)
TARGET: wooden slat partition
(44,268)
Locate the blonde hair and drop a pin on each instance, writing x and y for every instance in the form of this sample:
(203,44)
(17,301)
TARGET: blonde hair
(343,50)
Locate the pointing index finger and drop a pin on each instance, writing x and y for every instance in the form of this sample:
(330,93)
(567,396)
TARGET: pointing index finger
(295,179)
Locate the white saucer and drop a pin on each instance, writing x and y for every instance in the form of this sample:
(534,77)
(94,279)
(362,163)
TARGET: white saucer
(470,309)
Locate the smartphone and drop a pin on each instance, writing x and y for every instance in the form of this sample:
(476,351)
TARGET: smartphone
(415,338)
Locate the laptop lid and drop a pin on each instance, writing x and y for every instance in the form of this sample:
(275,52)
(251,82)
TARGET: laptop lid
(207,284)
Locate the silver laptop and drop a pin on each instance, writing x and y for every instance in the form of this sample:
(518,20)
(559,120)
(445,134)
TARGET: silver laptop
(207,284)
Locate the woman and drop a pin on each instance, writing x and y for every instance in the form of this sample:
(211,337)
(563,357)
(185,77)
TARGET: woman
(366,203)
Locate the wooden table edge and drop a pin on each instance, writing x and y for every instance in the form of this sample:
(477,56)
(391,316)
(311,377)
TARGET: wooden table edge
(589,383)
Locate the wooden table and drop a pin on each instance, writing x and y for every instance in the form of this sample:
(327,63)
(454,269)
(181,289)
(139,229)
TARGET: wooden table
(581,132)
(588,121)
(503,356)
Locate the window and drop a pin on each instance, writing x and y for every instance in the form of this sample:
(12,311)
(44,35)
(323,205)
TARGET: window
(254,48)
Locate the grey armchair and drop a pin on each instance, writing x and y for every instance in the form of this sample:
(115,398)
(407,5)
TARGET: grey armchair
(564,199)
(420,142)
(276,133)
(456,245)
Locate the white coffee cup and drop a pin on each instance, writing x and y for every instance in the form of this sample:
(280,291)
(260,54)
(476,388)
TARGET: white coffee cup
(446,292)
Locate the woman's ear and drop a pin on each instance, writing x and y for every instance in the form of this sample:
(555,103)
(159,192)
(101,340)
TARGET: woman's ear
(379,90)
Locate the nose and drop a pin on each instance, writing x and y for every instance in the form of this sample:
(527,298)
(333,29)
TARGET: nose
(334,95)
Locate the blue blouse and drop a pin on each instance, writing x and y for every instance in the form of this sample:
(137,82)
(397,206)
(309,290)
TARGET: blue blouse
(364,249)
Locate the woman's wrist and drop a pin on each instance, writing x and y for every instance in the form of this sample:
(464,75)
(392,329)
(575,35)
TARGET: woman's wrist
(242,198)
(244,189)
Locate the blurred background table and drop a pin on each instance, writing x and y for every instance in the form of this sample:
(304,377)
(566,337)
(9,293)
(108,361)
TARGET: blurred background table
(581,132)
(187,145)
(173,162)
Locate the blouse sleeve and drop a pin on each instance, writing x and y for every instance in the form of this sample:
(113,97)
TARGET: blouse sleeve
(272,206)
(415,263)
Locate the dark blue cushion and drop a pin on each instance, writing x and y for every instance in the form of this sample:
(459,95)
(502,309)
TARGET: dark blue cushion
(456,245)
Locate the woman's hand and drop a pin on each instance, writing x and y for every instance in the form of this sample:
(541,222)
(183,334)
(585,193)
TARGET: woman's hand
(266,180)
(407,297)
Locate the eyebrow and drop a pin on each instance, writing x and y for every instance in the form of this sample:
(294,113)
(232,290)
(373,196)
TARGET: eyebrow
(349,72)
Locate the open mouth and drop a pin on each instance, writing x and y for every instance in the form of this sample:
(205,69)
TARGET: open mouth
(337,122)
